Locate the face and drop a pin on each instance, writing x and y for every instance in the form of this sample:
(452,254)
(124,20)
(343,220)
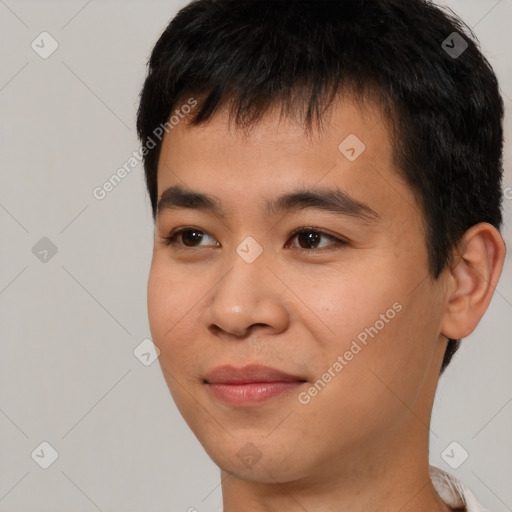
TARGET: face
(344,307)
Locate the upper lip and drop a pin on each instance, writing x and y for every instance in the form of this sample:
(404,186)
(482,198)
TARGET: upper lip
(246,374)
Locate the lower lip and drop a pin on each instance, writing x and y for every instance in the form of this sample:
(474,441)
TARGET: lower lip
(252,393)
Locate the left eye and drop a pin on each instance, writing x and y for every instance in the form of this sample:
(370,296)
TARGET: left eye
(307,237)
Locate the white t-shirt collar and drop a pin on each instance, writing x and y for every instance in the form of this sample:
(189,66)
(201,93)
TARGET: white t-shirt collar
(453,492)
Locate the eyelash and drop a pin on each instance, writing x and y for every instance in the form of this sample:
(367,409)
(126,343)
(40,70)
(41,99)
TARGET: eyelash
(172,239)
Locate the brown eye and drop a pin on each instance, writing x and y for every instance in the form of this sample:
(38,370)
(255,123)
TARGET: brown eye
(310,239)
(190,237)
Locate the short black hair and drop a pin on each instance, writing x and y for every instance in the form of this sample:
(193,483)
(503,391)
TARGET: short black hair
(422,64)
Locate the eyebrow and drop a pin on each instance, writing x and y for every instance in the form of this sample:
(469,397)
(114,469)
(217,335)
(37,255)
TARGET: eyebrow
(332,200)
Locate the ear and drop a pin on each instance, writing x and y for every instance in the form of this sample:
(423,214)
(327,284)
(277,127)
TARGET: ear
(472,278)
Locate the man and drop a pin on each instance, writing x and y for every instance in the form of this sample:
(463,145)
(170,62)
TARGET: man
(325,178)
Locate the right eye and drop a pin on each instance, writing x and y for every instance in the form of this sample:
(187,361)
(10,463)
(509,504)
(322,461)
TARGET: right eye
(190,236)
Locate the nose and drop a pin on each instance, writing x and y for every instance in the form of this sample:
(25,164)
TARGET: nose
(248,297)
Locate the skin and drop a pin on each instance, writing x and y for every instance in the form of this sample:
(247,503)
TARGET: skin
(360,444)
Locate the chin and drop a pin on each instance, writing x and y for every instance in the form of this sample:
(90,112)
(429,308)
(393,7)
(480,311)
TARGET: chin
(256,461)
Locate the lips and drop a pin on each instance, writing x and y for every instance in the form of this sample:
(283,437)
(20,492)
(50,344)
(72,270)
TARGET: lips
(249,386)
(249,374)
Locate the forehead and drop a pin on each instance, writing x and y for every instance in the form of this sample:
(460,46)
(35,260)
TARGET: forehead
(346,114)
(351,151)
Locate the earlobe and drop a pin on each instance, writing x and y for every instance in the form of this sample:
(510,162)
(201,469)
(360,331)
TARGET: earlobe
(472,279)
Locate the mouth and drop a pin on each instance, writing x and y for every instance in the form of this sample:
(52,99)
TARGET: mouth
(250,385)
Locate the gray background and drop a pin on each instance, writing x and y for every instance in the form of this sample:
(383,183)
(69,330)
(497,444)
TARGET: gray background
(69,326)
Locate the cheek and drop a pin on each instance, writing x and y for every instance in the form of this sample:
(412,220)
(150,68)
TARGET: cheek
(375,384)
(162,312)
(171,299)
(172,324)
(342,304)
(370,318)
(173,314)
(390,369)
(154,305)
